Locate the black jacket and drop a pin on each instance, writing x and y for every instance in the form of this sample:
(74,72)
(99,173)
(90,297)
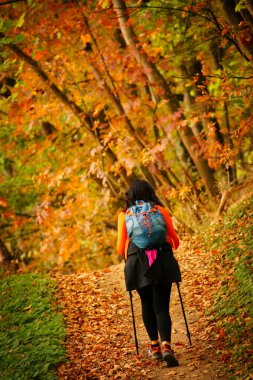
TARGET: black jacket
(138,274)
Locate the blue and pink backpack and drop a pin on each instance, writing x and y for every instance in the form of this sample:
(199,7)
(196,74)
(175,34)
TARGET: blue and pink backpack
(145,225)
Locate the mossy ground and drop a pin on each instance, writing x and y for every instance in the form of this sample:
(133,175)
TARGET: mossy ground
(31,329)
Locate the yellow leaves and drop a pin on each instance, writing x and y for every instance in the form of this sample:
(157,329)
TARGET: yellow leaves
(69,246)
(28,308)
(85,38)
(181,192)
(96,112)
(104,3)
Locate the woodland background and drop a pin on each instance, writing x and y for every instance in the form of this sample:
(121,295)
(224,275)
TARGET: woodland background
(94,94)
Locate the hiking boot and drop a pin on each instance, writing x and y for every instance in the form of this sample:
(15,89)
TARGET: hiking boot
(155,351)
(168,355)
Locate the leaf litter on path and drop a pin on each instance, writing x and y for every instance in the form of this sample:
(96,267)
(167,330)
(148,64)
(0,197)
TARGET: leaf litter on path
(100,342)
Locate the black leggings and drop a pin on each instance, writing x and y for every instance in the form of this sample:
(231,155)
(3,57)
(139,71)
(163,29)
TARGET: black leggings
(155,300)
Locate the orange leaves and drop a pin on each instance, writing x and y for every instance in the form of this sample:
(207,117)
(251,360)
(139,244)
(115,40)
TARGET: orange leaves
(3,202)
(100,341)
(99,337)
(85,38)
(214,252)
(221,334)
(72,169)
(68,247)
(219,154)
(225,31)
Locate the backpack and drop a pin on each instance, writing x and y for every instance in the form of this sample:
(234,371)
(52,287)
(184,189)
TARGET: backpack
(145,225)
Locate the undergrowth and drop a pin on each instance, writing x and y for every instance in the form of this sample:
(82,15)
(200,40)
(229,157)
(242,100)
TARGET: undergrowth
(231,245)
(31,329)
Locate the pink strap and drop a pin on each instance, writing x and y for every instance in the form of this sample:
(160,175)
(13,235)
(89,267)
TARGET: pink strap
(151,254)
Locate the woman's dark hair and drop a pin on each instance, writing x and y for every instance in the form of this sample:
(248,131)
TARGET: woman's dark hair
(140,190)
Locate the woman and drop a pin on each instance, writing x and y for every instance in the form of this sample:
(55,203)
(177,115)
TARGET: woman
(153,283)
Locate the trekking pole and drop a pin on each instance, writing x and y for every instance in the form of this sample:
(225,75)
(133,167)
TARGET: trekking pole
(135,334)
(186,324)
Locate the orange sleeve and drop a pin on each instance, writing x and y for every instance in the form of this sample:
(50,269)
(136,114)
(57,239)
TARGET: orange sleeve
(171,235)
(122,234)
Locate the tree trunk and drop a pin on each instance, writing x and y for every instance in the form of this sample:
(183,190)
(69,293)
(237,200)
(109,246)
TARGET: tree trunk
(118,105)
(147,174)
(216,57)
(112,93)
(157,80)
(85,119)
(5,254)
(244,36)
(250,7)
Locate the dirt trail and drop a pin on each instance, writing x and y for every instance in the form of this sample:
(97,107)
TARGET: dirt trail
(195,362)
(100,342)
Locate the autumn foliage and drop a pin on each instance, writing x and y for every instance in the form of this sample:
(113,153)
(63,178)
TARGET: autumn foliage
(96,93)
(217,290)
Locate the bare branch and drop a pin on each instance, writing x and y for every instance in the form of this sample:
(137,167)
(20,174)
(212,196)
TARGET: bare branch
(165,9)
(11,2)
(209,76)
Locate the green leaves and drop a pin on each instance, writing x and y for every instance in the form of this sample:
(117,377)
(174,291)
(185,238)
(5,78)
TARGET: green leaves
(104,3)
(6,25)
(61,179)
(240,5)
(20,21)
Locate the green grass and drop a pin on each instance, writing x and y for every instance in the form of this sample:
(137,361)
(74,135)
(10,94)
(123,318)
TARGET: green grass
(31,330)
(233,305)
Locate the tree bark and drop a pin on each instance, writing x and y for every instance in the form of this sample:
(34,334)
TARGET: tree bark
(85,119)
(216,56)
(244,36)
(117,104)
(158,82)
(152,177)
(5,254)
(148,175)
(250,7)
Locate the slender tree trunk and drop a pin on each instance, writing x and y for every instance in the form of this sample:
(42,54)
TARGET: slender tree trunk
(85,119)
(197,127)
(160,176)
(249,5)
(231,170)
(148,175)
(5,254)
(113,95)
(244,36)
(117,104)
(157,81)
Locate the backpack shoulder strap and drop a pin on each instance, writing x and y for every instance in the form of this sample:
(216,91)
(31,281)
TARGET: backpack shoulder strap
(153,207)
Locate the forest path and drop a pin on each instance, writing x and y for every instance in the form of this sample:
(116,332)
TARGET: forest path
(100,341)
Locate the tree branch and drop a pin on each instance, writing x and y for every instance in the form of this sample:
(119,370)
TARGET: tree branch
(85,118)
(166,9)
(228,36)
(209,76)
(11,2)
